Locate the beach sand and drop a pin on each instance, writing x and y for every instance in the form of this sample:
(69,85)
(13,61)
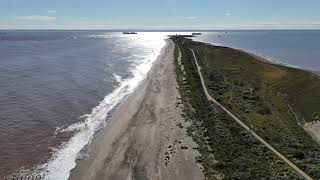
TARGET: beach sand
(146,136)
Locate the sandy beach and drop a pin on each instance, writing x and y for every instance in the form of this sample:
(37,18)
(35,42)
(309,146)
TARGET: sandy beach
(146,137)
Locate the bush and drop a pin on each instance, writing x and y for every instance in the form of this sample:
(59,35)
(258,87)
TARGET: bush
(298,155)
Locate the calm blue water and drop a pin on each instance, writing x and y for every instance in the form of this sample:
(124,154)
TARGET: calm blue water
(296,47)
(58,87)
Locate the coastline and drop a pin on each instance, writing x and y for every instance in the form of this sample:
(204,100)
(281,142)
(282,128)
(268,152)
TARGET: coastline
(267,60)
(146,136)
(312,128)
(264,58)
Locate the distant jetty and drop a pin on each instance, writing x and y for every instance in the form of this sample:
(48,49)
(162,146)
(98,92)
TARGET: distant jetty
(129,33)
(196,34)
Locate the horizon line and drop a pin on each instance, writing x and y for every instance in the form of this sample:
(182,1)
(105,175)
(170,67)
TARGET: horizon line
(163,30)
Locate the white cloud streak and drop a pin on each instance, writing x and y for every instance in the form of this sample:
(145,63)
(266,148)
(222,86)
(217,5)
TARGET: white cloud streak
(52,11)
(227,14)
(261,25)
(36,18)
(191,17)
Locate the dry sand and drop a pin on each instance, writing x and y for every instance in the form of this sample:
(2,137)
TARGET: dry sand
(313,128)
(146,137)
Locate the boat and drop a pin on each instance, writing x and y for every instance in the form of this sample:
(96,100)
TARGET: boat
(194,34)
(129,33)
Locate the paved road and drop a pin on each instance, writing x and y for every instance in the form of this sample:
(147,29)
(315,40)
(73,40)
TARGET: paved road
(302,173)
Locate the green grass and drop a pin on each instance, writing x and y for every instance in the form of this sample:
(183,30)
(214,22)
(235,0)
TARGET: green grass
(258,93)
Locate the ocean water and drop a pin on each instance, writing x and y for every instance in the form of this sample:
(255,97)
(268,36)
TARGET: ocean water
(299,48)
(57,88)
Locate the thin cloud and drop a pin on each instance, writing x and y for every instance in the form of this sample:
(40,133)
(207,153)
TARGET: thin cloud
(262,25)
(191,17)
(52,11)
(84,18)
(36,18)
(228,14)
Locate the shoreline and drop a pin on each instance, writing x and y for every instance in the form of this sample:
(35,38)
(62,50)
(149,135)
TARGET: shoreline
(146,136)
(268,60)
(58,166)
(263,58)
(312,128)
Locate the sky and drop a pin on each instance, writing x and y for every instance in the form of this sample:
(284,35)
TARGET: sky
(160,14)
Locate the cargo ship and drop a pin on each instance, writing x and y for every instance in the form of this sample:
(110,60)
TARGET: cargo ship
(129,33)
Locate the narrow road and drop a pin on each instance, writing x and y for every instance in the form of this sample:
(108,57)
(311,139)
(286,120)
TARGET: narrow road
(302,173)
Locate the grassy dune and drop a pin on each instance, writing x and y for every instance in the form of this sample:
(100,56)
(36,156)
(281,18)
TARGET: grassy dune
(272,99)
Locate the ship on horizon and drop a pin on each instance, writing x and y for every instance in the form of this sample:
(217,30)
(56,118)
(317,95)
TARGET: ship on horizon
(129,33)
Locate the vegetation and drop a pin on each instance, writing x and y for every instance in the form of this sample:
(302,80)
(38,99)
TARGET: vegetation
(272,99)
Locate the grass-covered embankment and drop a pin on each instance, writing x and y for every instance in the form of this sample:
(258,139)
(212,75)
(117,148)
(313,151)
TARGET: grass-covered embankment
(270,98)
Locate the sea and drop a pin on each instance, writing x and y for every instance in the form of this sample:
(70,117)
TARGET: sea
(58,88)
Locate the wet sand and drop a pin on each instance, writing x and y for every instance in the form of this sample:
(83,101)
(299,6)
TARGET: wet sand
(146,137)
